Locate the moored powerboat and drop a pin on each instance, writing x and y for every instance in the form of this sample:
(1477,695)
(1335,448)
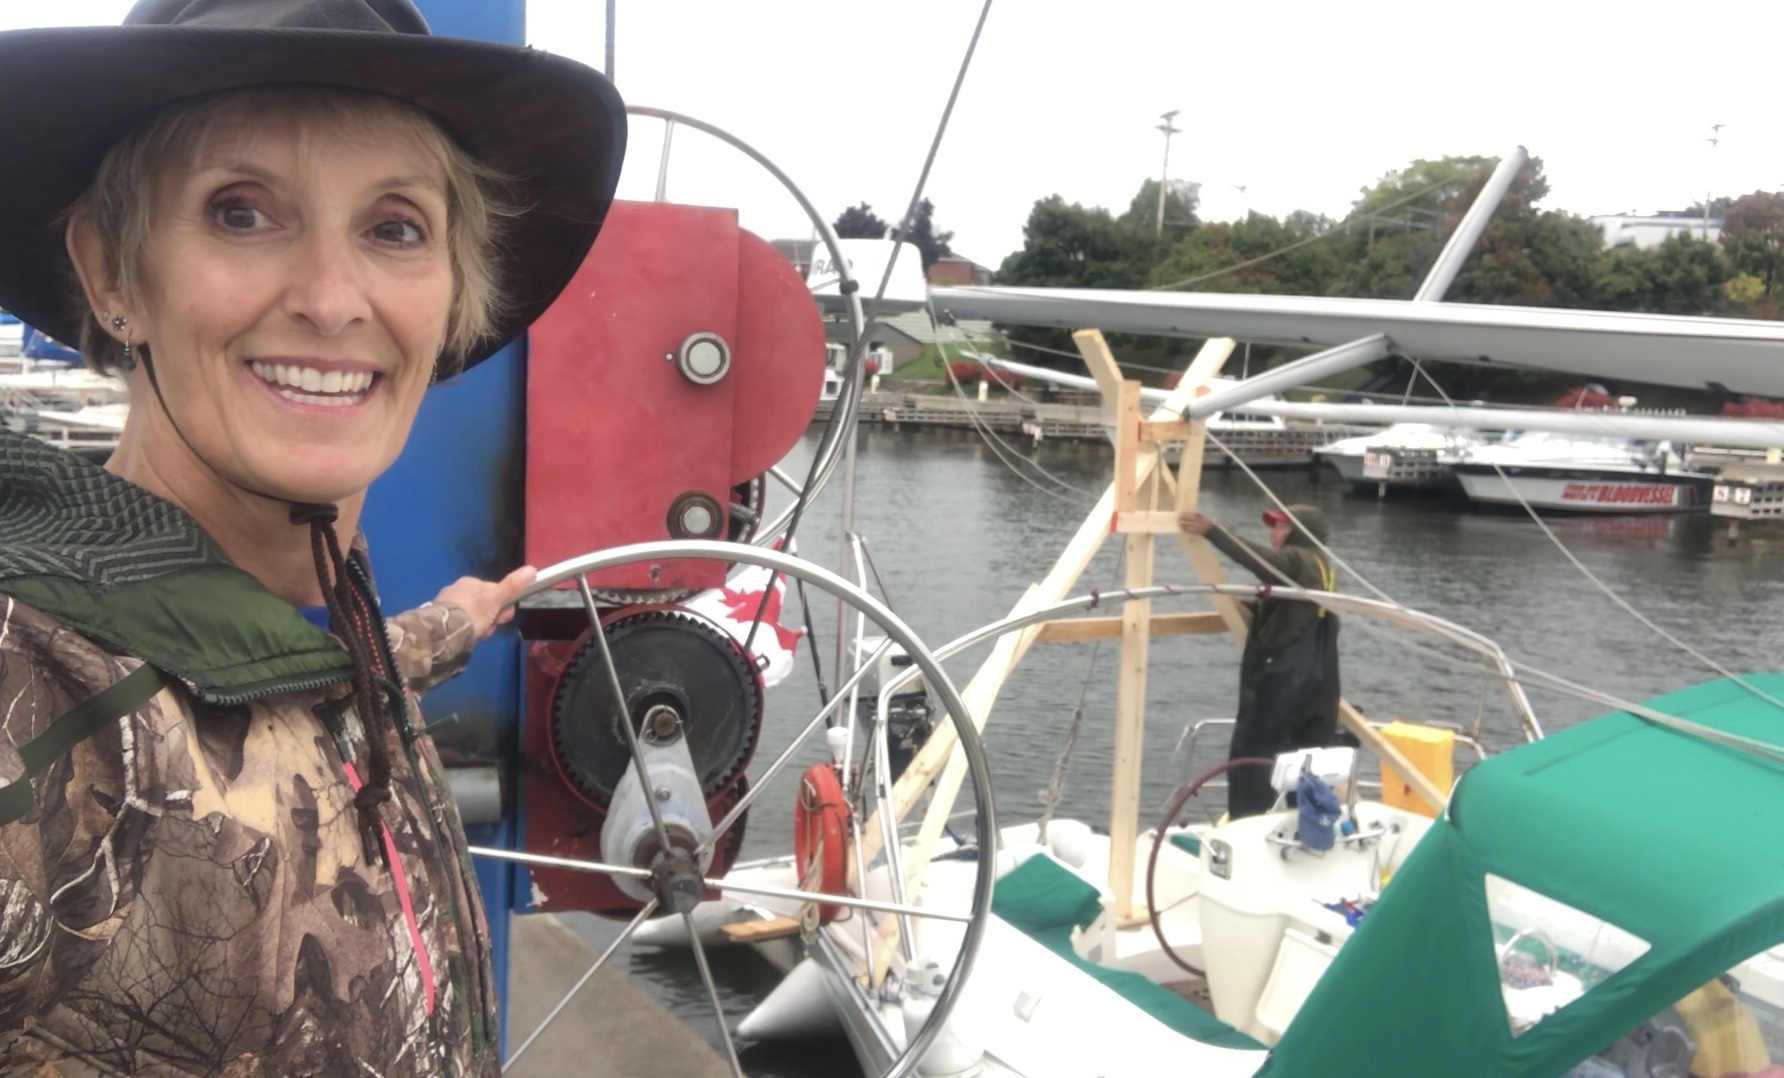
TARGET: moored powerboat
(1556,472)
(1405,456)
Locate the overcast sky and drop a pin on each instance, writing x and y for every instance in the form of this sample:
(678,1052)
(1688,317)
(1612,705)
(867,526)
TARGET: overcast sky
(1301,103)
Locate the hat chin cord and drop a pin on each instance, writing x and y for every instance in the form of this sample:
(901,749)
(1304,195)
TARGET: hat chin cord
(374,697)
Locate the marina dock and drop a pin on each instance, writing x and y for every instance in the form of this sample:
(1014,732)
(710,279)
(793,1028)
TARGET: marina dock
(613,1030)
(1075,415)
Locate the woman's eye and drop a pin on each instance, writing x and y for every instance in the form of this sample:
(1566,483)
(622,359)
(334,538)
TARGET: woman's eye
(237,216)
(399,231)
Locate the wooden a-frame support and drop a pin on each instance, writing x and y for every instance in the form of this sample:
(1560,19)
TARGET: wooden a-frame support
(1131,507)
(1137,516)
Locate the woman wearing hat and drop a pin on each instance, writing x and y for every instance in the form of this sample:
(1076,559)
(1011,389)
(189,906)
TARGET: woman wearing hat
(1288,674)
(225,841)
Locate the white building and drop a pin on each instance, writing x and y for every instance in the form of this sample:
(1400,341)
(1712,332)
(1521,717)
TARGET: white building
(1651,230)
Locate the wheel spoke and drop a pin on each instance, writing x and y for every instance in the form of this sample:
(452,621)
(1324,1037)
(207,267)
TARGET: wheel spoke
(784,479)
(619,701)
(870,904)
(882,784)
(712,993)
(762,889)
(927,665)
(781,761)
(544,860)
(643,915)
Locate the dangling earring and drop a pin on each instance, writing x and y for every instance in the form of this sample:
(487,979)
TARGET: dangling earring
(118,322)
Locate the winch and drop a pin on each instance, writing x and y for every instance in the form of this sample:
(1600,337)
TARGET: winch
(661,387)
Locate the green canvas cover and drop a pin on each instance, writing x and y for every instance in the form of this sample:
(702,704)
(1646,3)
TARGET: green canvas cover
(1661,833)
(1045,900)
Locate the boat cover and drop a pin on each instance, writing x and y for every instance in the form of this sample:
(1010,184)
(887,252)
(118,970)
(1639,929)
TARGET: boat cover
(1045,900)
(1666,835)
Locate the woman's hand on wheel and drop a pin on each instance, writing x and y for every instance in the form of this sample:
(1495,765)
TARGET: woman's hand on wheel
(490,604)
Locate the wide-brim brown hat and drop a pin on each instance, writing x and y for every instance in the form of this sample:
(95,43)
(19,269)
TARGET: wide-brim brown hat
(556,127)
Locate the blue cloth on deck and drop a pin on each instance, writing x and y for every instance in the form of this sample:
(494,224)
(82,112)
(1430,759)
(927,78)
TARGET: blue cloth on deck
(1318,806)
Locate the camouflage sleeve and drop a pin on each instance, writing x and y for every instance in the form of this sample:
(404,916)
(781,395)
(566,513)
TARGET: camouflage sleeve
(68,868)
(431,643)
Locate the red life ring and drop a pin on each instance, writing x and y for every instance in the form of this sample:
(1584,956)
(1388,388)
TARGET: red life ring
(821,836)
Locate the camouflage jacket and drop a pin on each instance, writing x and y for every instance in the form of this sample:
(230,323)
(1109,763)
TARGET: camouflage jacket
(189,894)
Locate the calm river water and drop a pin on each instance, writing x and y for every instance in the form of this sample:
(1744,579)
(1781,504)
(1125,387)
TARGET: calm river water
(957,536)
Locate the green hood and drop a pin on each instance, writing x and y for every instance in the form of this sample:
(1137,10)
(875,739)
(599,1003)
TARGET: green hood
(1313,519)
(136,573)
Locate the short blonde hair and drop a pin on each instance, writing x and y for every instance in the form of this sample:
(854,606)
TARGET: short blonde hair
(118,203)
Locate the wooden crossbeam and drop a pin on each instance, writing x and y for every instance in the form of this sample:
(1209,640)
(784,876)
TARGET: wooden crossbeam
(1145,522)
(1159,431)
(1075,630)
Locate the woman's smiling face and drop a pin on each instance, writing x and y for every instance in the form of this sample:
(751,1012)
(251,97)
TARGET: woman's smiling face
(295,294)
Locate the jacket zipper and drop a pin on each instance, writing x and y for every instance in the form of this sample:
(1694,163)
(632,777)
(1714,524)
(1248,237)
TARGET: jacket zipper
(265,689)
(467,925)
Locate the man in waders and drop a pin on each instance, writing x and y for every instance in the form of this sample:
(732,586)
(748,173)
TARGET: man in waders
(1288,676)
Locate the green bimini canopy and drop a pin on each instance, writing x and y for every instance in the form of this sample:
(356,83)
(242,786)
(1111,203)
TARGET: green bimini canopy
(1671,838)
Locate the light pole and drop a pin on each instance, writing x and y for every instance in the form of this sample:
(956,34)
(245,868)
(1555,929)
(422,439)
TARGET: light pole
(1715,137)
(1164,170)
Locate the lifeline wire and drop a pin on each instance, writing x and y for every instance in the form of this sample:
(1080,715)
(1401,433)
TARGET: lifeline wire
(1523,706)
(1527,674)
(1516,672)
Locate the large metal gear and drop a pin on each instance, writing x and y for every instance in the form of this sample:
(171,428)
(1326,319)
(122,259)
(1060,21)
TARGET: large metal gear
(672,665)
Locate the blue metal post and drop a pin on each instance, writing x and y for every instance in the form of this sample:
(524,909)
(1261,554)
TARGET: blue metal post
(451,507)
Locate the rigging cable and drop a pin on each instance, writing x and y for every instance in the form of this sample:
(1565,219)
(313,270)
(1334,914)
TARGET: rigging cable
(1342,226)
(1526,716)
(1515,672)
(1051,795)
(1598,583)
(994,441)
(855,357)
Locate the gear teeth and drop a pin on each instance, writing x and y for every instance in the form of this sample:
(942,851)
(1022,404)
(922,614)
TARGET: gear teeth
(589,656)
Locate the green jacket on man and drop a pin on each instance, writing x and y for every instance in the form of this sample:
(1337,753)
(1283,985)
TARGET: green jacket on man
(1277,622)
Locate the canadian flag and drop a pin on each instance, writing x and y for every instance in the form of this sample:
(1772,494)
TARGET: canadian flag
(733,608)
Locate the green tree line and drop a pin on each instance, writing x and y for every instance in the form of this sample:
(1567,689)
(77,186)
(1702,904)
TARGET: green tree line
(1384,246)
